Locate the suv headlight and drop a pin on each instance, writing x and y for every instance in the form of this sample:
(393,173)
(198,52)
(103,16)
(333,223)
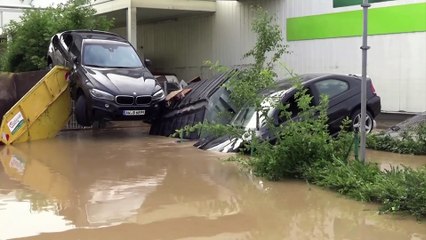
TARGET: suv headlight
(101,94)
(159,95)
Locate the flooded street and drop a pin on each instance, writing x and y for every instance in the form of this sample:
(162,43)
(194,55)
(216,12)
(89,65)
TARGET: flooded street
(386,159)
(120,184)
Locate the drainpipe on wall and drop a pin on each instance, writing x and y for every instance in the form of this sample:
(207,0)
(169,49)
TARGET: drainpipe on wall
(1,22)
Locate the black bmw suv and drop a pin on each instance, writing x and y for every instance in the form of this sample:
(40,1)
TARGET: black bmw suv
(108,79)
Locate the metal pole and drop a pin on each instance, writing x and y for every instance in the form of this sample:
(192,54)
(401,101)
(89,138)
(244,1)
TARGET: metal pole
(365,5)
(132,26)
(1,22)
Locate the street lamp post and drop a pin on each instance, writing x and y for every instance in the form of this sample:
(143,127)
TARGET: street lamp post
(365,5)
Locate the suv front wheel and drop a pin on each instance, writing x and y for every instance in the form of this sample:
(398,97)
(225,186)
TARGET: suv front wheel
(81,112)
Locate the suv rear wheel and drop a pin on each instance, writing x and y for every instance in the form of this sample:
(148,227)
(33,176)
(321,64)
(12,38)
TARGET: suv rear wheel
(356,121)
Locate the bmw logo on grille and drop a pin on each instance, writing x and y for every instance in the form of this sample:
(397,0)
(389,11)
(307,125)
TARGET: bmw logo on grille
(134,93)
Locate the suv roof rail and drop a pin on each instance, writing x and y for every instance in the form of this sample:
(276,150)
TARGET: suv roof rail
(91,31)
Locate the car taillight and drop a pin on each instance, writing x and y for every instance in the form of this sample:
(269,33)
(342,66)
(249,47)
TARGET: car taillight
(373,90)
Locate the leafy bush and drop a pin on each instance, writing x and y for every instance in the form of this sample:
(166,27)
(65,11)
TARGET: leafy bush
(411,141)
(298,143)
(353,178)
(402,190)
(247,85)
(398,190)
(27,48)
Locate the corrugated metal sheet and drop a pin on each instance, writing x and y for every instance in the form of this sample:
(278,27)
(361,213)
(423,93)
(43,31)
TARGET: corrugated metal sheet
(204,103)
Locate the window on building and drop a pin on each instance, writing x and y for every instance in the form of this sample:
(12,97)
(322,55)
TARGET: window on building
(3,39)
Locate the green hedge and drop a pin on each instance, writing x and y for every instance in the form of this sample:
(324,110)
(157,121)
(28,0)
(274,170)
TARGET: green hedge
(410,141)
(398,189)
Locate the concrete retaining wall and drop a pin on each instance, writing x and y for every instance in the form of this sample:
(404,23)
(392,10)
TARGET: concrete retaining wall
(7,93)
(13,86)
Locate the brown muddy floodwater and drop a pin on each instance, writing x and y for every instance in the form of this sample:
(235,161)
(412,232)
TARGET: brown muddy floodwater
(123,184)
(387,160)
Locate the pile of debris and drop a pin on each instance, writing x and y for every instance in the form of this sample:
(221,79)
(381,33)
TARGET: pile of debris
(407,125)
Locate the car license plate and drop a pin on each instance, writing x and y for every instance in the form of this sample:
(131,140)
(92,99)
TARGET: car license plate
(133,112)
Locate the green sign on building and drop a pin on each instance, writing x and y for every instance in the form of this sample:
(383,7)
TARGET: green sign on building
(406,18)
(344,3)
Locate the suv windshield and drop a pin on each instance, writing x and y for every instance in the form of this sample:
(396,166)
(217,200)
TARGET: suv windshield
(243,117)
(110,54)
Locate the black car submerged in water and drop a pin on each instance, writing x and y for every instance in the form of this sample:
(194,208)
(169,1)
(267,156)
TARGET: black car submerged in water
(108,78)
(344,101)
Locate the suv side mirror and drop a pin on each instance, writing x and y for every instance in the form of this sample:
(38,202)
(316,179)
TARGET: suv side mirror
(74,61)
(148,62)
(55,41)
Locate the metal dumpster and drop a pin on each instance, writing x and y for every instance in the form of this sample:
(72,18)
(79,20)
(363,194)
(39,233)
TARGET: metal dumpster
(41,113)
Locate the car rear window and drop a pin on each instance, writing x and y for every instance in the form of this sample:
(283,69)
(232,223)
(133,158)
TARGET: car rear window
(332,87)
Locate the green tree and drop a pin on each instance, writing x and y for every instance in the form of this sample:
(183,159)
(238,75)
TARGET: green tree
(29,38)
(247,85)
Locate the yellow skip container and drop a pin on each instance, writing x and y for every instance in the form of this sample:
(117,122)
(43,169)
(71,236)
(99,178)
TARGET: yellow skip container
(42,112)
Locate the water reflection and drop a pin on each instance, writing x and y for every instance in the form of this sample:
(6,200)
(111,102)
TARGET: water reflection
(117,184)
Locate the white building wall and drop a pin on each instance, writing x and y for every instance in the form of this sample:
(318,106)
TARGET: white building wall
(7,13)
(396,62)
(183,45)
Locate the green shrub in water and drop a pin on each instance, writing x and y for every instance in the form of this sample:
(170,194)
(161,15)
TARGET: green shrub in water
(398,189)
(402,190)
(299,142)
(411,141)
